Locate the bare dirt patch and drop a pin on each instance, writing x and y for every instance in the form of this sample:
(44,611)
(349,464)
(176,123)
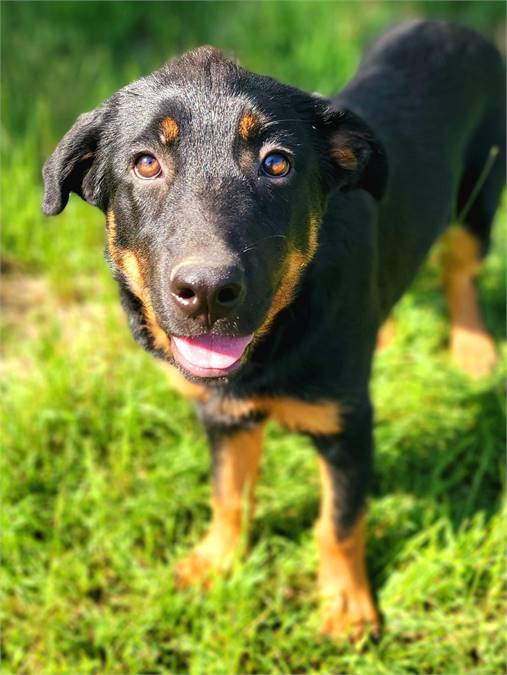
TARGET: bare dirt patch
(31,309)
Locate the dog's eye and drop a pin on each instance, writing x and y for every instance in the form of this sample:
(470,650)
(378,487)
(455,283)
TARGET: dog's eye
(147,166)
(275,165)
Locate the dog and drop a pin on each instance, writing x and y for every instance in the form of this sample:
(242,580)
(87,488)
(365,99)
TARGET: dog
(260,236)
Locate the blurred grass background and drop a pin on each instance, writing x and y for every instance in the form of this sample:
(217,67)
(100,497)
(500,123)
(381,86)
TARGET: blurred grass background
(105,470)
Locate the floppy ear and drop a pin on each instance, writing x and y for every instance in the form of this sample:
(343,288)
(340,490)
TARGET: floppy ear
(356,153)
(69,168)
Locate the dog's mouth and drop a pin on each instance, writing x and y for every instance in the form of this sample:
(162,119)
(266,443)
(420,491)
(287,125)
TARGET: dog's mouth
(209,355)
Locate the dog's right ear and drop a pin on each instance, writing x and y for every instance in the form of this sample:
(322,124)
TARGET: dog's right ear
(71,166)
(356,155)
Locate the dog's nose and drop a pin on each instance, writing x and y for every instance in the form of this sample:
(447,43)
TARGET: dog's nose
(209,292)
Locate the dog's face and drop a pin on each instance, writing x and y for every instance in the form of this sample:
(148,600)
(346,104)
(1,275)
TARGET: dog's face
(214,181)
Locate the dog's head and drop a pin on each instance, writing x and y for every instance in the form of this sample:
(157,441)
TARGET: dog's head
(214,182)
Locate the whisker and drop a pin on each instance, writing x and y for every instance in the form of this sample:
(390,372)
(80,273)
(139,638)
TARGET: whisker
(268,124)
(253,246)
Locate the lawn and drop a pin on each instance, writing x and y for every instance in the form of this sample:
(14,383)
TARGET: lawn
(105,471)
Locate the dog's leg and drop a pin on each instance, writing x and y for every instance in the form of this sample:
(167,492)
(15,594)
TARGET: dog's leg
(472,348)
(348,606)
(236,457)
(386,334)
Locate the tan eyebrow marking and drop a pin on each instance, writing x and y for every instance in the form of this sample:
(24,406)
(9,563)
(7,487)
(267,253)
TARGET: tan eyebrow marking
(168,130)
(247,124)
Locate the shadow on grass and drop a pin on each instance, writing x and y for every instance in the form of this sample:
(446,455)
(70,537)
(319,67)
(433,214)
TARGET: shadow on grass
(446,476)
(289,523)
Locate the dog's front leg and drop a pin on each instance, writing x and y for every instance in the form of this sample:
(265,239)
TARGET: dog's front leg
(236,453)
(348,606)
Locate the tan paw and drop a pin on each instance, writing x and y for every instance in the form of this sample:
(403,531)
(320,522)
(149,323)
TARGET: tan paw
(473,351)
(213,556)
(195,570)
(350,617)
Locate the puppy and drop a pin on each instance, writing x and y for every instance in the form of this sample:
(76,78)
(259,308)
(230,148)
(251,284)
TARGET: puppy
(260,235)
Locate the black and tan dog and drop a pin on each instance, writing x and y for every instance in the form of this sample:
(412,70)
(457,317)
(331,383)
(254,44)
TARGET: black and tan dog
(260,236)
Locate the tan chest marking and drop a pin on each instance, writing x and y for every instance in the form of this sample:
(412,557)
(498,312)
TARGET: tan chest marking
(322,417)
(296,415)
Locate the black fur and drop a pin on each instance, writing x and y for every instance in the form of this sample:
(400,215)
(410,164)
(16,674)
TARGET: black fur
(420,116)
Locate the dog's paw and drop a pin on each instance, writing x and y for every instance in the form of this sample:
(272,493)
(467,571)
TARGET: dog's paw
(350,616)
(195,570)
(213,556)
(473,351)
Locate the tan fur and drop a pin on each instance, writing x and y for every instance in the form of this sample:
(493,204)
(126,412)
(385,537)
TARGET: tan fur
(131,267)
(348,606)
(461,254)
(160,337)
(472,348)
(322,417)
(296,262)
(237,407)
(296,415)
(168,130)
(179,383)
(233,504)
(345,157)
(313,237)
(285,293)
(386,334)
(246,125)
(111,234)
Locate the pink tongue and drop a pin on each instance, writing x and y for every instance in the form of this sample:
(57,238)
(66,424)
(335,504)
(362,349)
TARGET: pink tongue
(210,351)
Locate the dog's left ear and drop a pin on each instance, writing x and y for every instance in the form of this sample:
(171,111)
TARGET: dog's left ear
(71,166)
(358,159)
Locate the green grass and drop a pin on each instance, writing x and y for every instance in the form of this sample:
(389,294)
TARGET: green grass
(105,470)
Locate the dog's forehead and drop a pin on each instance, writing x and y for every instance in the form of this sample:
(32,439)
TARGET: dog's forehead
(205,111)
(209,96)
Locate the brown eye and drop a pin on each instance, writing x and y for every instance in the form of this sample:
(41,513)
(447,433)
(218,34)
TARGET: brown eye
(147,166)
(275,165)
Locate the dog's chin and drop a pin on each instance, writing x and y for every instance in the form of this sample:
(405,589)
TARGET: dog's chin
(210,358)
